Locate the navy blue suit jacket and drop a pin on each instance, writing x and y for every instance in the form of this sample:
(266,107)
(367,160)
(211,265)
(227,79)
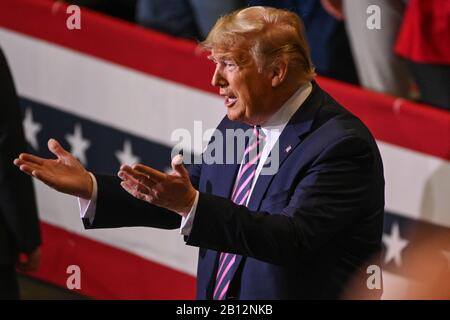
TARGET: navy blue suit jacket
(307,229)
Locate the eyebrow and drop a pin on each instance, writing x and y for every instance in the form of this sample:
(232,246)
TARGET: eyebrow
(221,57)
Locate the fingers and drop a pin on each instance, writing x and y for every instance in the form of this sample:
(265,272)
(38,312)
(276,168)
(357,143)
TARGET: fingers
(152,174)
(137,191)
(30,168)
(25,160)
(56,148)
(137,176)
(136,188)
(130,188)
(34,170)
(26,167)
(178,166)
(136,183)
(31,158)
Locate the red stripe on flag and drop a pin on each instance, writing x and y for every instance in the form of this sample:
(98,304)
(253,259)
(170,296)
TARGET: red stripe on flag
(111,39)
(108,272)
(396,121)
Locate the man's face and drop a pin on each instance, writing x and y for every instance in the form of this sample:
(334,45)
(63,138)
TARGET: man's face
(247,92)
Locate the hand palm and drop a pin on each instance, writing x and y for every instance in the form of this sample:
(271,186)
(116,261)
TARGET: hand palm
(65,174)
(61,171)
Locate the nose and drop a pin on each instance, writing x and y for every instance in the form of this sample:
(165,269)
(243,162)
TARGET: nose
(217,79)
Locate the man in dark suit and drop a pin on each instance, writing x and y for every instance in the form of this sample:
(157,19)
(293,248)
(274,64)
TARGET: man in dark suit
(299,231)
(19,225)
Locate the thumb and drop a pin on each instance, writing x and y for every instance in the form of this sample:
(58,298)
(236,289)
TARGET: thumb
(178,166)
(56,148)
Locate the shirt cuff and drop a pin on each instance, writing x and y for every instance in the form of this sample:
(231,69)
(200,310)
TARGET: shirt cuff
(87,207)
(186,222)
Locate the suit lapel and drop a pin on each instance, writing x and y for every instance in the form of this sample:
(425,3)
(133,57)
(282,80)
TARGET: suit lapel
(226,173)
(298,126)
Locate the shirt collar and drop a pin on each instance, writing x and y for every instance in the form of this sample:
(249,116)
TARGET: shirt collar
(279,119)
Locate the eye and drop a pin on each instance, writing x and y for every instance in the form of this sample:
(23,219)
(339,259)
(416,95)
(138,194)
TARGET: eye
(230,64)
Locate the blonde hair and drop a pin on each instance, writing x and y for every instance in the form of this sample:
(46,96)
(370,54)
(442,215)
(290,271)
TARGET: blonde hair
(266,34)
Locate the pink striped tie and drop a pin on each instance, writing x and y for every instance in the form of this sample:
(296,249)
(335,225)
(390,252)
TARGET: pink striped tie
(240,195)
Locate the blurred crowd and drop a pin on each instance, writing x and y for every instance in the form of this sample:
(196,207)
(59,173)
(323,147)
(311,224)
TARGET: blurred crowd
(397,47)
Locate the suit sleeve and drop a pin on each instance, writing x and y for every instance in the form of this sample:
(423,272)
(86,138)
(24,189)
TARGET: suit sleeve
(17,198)
(117,208)
(329,197)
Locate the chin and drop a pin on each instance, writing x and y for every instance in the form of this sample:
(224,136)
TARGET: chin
(236,114)
(233,116)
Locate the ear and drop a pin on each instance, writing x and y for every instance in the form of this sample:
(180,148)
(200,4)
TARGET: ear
(278,72)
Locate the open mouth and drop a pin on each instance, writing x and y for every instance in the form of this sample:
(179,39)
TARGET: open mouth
(230,101)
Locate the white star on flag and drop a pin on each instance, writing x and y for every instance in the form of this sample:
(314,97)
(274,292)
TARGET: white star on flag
(394,245)
(78,145)
(126,155)
(31,129)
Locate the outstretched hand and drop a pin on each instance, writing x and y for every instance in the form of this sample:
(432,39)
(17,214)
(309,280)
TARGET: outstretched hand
(65,173)
(172,191)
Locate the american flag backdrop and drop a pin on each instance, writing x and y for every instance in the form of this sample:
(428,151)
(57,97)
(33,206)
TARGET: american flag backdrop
(113,93)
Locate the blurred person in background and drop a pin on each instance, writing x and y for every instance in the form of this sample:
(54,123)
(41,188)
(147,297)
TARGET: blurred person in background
(379,68)
(123,9)
(174,17)
(191,19)
(330,50)
(19,224)
(424,43)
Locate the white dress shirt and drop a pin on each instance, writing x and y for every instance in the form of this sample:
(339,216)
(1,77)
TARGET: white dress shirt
(272,129)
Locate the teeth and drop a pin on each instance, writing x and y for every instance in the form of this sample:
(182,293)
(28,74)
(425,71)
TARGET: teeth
(230,100)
